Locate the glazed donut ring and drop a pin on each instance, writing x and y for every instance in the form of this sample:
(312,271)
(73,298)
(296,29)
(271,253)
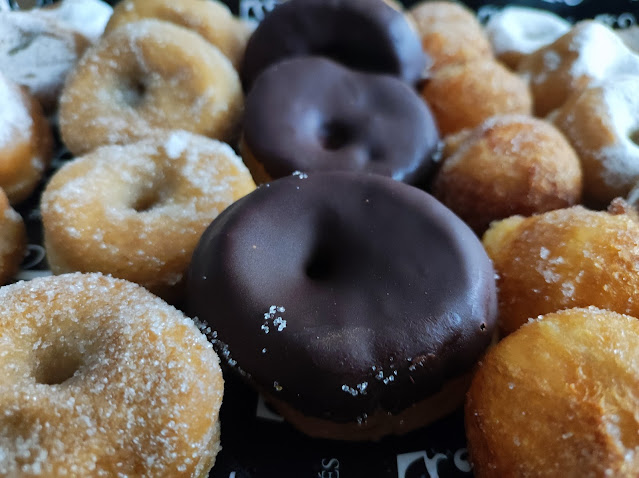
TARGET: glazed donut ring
(211,19)
(13,240)
(558,398)
(101,378)
(149,75)
(602,123)
(137,211)
(25,141)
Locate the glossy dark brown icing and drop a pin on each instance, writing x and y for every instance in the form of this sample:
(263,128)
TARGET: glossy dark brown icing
(366,35)
(344,293)
(312,114)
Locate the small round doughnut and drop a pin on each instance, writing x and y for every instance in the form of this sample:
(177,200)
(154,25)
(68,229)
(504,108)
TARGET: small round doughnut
(466,94)
(450,33)
(137,211)
(87,17)
(26,141)
(101,378)
(558,398)
(328,320)
(508,165)
(13,240)
(144,76)
(602,123)
(630,37)
(211,19)
(38,53)
(516,32)
(351,121)
(589,52)
(565,258)
(366,35)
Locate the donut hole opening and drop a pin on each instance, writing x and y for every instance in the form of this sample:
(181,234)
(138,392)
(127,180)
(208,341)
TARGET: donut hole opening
(56,366)
(634,137)
(323,262)
(147,201)
(133,91)
(334,135)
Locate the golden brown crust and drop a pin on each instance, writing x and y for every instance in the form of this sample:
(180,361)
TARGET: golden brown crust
(465,95)
(257,169)
(558,398)
(211,19)
(137,211)
(146,76)
(26,142)
(13,240)
(508,165)
(450,33)
(561,259)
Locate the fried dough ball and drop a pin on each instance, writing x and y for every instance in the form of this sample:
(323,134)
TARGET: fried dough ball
(450,33)
(559,398)
(464,95)
(567,258)
(13,240)
(508,165)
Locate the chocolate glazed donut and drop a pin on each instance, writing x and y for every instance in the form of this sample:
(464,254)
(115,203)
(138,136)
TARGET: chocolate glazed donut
(311,114)
(346,299)
(365,35)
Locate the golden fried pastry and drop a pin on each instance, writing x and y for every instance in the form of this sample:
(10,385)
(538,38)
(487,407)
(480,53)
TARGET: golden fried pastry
(137,211)
(464,95)
(450,33)
(566,258)
(559,399)
(145,76)
(508,165)
(25,141)
(602,124)
(588,53)
(211,19)
(516,32)
(13,240)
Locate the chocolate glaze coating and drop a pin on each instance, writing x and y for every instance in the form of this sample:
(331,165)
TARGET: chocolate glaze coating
(344,293)
(312,114)
(365,35)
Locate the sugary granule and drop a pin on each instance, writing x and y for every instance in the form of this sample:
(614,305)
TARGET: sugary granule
(15,120)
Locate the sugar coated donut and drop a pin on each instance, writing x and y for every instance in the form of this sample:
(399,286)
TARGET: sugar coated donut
(25,141)
(38,53)
(558,398)
(363,319)
(101,378)
(450,33)
(149,75)
(602,123)
(630,37)
(366,35)
(516,32)
(464,95)
(508,165)
(589,52)
(137,211)
(351,121)
(566,258)
(13,240)
(211,19)
(87,17)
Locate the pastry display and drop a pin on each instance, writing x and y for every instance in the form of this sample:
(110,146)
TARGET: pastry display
(602,124)
(508,165)
(101,378)
(362,34)
(13,240)
(25,141)
(340,119)
(450,33)
(567,258)
(149,75)
(590,52)
(558,398)
(210,18)
(137,211)
(371,324)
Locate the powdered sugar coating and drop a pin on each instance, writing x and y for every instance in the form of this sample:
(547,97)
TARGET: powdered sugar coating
(88,17)
(103,379)
(137,211)
(15,120)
